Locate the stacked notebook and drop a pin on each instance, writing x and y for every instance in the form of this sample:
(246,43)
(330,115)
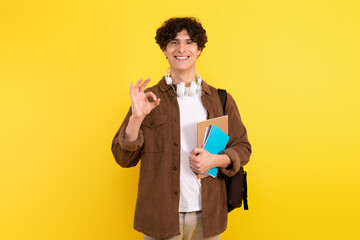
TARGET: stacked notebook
(212,136)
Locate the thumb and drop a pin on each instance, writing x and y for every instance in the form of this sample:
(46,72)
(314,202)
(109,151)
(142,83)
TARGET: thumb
(155,103)
(196,151)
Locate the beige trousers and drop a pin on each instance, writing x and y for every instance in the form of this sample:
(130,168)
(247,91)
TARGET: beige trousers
(190,228)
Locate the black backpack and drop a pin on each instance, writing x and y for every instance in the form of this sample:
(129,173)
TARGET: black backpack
(236,186)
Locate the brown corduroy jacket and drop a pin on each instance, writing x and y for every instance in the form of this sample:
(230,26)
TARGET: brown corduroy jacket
(158,147)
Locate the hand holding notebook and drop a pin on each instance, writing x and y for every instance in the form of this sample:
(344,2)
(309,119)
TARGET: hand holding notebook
(215,139)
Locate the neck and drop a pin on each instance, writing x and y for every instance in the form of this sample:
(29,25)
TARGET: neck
(185,76)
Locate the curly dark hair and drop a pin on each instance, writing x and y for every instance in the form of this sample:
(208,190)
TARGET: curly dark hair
(171,27)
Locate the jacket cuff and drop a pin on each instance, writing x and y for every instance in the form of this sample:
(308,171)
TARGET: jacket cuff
(235,162)
(131,145)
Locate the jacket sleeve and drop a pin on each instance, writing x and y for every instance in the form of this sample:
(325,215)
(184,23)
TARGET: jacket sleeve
(238,148)
(126,153)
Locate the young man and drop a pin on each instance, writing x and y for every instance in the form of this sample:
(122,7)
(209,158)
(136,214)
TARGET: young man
(161,129)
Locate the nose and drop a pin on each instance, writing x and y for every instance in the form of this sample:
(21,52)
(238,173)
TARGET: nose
(182,47)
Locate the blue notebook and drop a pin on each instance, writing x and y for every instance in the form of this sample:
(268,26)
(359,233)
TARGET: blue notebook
(215,142)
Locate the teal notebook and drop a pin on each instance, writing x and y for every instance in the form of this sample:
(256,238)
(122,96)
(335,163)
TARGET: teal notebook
(215,142)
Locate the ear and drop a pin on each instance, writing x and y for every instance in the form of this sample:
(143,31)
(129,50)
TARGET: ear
(164,51)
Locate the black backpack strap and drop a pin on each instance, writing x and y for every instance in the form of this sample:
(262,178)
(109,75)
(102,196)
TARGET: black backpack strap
(246,207)
(223,97)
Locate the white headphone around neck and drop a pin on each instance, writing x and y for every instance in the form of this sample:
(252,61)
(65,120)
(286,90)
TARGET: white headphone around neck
(181,90)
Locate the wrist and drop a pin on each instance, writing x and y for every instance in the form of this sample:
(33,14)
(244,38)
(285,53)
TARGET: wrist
(222,160)
(132,129)
(136,119)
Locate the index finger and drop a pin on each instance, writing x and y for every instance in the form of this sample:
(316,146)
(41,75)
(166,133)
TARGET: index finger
(138,83)
(143,85)
(197,150)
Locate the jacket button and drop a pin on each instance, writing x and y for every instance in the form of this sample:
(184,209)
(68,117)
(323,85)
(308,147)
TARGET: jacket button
(176,119)
(175,193)
(175,168)
(176,144)
(151,123)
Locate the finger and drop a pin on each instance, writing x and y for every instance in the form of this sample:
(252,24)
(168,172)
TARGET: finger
(131,88)
(137,84)
(151,94)
(131,92)
(193,167)
(155,104)
(197,150)
(193,153)
(143,85)
(195,160)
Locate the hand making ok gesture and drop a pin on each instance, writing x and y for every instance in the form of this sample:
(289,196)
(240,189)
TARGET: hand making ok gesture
(140,105)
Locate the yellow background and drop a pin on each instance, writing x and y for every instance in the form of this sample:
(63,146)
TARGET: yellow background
(65,70)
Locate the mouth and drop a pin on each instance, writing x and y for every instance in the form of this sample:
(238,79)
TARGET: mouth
(182,57)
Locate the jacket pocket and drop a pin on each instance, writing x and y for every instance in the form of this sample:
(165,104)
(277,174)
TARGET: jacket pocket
(154,129)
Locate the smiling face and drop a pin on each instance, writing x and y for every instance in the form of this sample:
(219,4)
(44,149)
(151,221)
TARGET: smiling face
(182,52)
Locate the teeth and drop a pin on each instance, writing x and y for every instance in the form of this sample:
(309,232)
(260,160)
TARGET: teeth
(181,57)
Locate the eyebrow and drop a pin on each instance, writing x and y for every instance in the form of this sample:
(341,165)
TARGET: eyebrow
(179,39)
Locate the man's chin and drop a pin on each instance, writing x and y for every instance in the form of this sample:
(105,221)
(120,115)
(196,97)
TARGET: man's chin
(181,68)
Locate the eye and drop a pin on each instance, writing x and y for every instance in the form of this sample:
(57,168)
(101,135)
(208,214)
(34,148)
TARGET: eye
(189,42)
(173,42)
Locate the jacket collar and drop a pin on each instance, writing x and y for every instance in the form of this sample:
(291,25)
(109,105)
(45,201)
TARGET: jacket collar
(164,87)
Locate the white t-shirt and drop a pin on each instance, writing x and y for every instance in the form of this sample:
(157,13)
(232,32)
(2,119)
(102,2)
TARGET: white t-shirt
(192,111)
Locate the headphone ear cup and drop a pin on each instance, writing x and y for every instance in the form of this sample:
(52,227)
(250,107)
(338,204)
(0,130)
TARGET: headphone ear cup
(193,88)
(199,82)
(168,80)
(180,89)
